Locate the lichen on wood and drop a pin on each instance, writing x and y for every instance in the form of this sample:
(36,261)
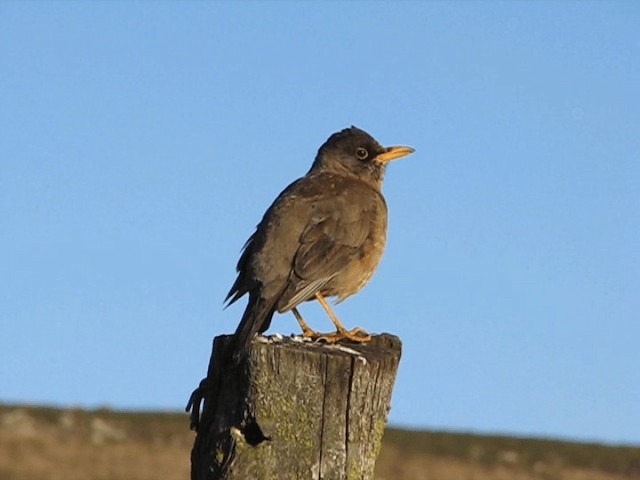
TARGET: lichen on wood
(294,410)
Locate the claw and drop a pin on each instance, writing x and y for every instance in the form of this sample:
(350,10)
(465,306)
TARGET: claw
(357,335)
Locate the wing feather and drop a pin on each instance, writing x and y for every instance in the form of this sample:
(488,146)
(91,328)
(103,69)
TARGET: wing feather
(331,240)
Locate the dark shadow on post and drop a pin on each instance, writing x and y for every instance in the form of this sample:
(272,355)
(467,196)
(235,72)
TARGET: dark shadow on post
(294,410)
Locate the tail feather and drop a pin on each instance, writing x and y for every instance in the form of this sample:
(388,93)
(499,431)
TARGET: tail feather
(256,319)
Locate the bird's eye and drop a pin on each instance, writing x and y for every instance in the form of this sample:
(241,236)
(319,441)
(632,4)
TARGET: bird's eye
(361,153)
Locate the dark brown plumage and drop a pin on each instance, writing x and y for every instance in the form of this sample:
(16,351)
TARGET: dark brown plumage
(322,237)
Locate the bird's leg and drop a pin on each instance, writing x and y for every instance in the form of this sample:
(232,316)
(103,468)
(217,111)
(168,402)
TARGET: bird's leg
(356,335)
(307,331)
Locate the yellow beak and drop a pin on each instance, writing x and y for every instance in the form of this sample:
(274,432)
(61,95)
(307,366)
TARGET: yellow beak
(391,153)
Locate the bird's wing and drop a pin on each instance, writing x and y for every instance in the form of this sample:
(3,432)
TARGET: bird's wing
(333,237)
(267,257)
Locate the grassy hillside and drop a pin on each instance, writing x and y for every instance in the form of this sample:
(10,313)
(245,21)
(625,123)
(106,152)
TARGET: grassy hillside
(40,443)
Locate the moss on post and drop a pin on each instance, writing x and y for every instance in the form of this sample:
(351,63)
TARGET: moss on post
(294,410)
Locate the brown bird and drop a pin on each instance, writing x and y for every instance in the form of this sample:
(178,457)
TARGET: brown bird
(322,237)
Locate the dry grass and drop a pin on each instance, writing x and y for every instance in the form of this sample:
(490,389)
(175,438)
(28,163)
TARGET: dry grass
(52,444)
(394,464)
(37,444)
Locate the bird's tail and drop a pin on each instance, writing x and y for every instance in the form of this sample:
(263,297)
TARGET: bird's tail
(256,319)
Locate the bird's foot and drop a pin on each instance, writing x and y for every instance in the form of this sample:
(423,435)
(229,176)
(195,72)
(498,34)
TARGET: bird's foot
(308,332)
(357,335)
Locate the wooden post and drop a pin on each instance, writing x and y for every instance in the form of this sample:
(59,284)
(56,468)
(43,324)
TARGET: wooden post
(294,410)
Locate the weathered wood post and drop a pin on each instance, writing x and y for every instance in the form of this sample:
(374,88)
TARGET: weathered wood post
(294,410)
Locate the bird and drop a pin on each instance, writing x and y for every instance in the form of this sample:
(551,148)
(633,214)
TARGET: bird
(322,237)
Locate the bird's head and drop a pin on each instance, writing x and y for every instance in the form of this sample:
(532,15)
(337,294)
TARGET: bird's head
(354,152)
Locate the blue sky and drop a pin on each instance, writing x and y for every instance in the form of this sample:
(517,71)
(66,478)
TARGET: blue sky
(140,143)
